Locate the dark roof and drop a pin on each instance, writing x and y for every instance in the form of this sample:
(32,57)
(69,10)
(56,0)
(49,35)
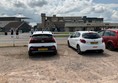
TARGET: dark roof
(12,18)
(90,18)
(13,25)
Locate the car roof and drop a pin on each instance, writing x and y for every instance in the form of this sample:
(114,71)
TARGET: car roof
(86,31)
(42,32)
(116,30)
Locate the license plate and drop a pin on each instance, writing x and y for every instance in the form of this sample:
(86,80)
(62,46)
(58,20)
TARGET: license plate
(43,49)
(94,42)
(94,46)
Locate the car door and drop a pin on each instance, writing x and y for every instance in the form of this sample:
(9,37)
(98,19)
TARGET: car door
(106,36)
(113,38)
(75,39)
(71,39)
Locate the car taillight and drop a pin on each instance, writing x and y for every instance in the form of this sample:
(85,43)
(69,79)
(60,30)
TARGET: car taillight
(33,48)
(32,40)
(53,47)
(49,40)
(52,39)
(82,41)
(102,40)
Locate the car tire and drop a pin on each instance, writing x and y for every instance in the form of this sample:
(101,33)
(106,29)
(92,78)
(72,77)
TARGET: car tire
(79,50)
(101,51)
(69,44)
(110,46)
(30,54)
(55,53)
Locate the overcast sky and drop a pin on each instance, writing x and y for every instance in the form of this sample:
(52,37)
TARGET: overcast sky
(108,9)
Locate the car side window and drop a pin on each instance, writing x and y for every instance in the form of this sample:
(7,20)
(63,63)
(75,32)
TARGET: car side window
(77,34)
(112,33)
(107,33)
(73,35)
(101,33)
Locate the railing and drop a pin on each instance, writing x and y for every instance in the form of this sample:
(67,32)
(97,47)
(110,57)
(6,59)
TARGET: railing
(14,40)
(23,38)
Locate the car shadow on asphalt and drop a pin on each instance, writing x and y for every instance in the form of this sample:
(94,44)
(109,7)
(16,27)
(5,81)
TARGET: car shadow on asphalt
(93,54)
(44,56)
(116,50)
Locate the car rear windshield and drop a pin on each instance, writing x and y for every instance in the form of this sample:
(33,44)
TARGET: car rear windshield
(91,35)
(42,36)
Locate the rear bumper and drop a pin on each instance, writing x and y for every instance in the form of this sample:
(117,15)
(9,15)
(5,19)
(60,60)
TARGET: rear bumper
(42,49)
(92,47)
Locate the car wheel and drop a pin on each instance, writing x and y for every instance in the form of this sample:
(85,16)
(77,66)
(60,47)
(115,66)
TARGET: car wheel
(110,46)
(55,53)
(79,50)
(30,54)
(69,44)
(101,51)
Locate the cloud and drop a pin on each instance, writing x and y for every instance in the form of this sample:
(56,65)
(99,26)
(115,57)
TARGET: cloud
(19,4)
(99,9)
(37,3)
(34,8)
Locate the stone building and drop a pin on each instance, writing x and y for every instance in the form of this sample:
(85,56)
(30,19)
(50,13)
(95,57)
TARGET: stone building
(73,23)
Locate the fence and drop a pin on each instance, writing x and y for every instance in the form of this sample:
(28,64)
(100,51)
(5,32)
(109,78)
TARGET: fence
(23,38)
(14,40)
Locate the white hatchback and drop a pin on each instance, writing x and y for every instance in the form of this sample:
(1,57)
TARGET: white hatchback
(86,40)
(42,41)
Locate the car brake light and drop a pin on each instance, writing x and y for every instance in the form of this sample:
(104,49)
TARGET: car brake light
(53,47)
(53,40)
(102,40)
(82,41)
(32,40)
(33,48)
(50,40)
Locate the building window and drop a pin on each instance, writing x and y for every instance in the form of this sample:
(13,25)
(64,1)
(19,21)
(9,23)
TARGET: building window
(90,21)
(106,24)
(88,24)
(74,20)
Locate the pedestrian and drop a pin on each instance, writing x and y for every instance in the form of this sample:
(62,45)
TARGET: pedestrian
(12,33)
(17,33)
(32,31)
(5,33)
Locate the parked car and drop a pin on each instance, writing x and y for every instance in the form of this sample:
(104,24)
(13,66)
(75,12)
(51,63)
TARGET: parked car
(86,40)
(110,37)
(42,41)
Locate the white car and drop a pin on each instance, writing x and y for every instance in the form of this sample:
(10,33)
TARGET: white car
(86,40)
(42,41)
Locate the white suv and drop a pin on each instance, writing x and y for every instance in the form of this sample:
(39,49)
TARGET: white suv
(42,41)
(86,40)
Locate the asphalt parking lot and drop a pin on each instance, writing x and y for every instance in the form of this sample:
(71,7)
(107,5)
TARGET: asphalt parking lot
(65,67)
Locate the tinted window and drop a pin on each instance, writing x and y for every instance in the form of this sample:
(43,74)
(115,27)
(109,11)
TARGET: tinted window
(77,34)
(112,33)
(42,36)
(73,35)
(107,33)
(91,36)
(101,33)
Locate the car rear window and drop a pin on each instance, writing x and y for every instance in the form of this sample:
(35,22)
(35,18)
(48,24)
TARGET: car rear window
(42,36)
(91,35)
